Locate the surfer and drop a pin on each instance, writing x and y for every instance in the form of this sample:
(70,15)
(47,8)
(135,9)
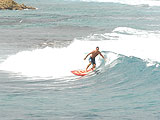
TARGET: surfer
(94,53)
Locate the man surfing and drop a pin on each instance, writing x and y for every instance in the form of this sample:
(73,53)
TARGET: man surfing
(94,53)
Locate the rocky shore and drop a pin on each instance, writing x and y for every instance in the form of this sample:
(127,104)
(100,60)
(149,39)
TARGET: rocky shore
(12,5)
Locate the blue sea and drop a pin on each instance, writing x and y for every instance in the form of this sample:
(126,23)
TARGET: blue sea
(39,49)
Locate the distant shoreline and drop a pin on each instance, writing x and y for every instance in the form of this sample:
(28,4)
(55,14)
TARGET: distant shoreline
(12,5)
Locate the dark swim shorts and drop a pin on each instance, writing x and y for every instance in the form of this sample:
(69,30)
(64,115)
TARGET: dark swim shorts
(92,60)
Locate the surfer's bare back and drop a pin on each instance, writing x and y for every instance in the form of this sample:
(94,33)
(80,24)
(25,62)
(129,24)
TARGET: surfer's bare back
(94,53)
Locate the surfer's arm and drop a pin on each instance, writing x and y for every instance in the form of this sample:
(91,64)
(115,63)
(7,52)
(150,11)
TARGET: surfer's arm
(87,55)
(102,55)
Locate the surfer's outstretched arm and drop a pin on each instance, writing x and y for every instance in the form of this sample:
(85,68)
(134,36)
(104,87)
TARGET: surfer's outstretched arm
(87,55)
(102,56)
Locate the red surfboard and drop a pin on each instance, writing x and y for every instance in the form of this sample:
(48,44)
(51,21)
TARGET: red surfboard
(81,72)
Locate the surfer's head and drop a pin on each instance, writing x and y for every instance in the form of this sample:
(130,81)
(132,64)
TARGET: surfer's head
(97,48)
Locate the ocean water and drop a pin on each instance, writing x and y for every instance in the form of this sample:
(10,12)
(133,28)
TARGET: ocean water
(39,48)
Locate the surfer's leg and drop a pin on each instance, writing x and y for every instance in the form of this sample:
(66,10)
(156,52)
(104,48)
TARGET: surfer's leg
(88,65)
(94,66)
(93,63)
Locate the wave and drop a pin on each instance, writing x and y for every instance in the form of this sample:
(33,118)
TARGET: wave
(58,62)
(117,73)
(129,2)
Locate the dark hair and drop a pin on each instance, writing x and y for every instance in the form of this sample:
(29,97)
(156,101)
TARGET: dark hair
(97,47)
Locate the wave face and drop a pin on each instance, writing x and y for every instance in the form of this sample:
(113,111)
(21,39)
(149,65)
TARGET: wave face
(129,2)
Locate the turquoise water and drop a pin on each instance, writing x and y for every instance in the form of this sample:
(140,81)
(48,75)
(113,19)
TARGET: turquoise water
(39,48)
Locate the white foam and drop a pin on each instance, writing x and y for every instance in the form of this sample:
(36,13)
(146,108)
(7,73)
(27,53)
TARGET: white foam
(48,62)
(130,2)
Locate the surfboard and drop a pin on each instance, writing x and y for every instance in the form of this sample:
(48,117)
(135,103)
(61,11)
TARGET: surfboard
(82,72)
